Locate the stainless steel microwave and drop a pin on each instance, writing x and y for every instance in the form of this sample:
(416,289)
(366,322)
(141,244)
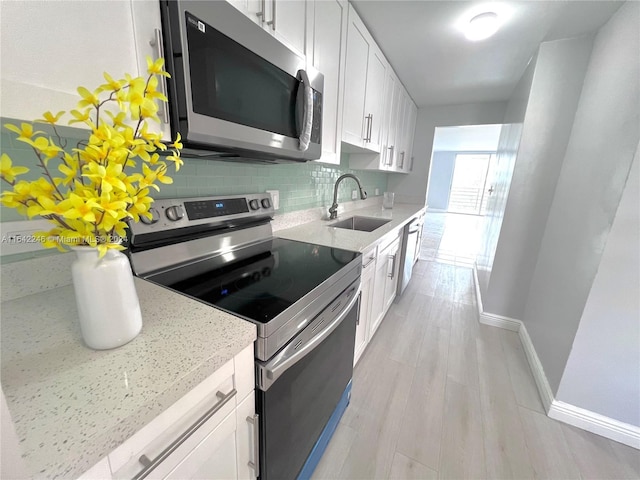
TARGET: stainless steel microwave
(235,88)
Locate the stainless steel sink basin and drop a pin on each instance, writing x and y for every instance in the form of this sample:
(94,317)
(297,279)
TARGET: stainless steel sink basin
(363,224)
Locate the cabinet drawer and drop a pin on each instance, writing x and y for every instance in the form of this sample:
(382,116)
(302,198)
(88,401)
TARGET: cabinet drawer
(216,392)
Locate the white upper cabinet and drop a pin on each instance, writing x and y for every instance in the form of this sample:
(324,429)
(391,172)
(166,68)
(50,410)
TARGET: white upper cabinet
(364,86)
(284,19)
(326,53)
(51,48)
(147,30)
(379,116)
(401,137)
(288,22)
(411,132)
(386,152)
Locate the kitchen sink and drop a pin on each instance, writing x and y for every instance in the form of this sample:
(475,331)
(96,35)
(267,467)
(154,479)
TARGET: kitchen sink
(363,224)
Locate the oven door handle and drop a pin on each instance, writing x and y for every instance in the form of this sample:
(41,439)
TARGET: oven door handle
(272,370)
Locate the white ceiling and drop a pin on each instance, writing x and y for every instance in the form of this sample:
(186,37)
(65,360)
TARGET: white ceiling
(470,138)
(439,66)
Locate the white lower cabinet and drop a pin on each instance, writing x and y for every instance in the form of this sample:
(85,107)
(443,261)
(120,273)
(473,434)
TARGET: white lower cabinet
(208,433)
(386,281)
(366,298)
(380,268)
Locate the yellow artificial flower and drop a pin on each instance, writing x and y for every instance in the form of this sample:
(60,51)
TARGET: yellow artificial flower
(47,206)
(157,67)
(112,207)
(177,144)
(48,117)
(81,117)
(78,207)
(7,171)
(69,169)
(99,188)
(119,120)
(47,147)
(111,85)
(88,98)
(108,176)
(25,132)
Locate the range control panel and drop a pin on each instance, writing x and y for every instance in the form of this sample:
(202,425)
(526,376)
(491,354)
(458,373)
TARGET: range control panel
(175,213)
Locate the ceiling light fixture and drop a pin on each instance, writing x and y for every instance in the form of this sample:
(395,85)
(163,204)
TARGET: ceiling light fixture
(482,26)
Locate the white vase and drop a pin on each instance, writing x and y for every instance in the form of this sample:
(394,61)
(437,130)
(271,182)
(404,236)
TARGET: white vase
(106,297)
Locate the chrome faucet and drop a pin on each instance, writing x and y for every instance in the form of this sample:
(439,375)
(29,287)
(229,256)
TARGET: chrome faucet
(333,211)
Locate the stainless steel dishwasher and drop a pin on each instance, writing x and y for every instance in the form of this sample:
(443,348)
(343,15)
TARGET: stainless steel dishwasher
(411,240)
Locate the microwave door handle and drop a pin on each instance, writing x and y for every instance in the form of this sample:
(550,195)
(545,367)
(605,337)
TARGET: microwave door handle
(307,111)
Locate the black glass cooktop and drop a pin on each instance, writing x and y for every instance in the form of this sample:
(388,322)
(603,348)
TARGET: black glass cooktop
(260,283)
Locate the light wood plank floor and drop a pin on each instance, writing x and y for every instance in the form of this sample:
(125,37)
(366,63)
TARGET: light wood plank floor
(437,395)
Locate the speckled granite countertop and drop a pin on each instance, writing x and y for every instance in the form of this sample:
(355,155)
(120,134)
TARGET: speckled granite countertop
(72,405)
(321,232)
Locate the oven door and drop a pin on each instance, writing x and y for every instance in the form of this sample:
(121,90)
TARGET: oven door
(301,387)
(237,88)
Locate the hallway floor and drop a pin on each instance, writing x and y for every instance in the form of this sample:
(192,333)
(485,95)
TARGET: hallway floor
(451,237)
(438,395)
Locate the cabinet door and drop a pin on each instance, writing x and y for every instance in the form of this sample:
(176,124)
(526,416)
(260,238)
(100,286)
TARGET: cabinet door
(385,151)
(355,80)
(214,458)
(391,277)
(51,48)
(378,301)
(393,126)
(411,131)
(366,297)
(403,110)
(287,20)
(376,72)
(326,53)
(247,438)
(146,26)
(252,9)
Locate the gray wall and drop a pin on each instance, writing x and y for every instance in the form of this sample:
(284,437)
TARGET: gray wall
(557,82)
(594,171)
(506,157)
(603,370)
(413,187)
(441,175)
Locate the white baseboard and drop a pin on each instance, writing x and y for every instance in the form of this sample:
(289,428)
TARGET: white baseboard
(595,423)
(558,410)
(544,389)
(501,322)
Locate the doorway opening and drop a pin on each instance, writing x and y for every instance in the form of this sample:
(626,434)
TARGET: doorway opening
(469,190)
(459,189)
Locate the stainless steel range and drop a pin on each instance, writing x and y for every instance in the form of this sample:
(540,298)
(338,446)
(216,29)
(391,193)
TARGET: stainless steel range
(304,299)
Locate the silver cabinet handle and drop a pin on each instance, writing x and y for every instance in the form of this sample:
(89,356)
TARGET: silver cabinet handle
(255,465)
(393,266)
(272,22)
(402,160)
(390,156)
(158,43)
(307,110)
(260,14)
(371,260)
(411,164)
(367,128)
(150,465)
